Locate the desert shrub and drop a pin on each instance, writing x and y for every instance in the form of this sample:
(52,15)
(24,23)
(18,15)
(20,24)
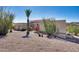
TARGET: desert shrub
(76,31)
(72,28)
(3,28)
(50,26)
(4,21)
(11,18)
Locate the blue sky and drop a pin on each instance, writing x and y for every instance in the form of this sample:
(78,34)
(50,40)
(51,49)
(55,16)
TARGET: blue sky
(68,13)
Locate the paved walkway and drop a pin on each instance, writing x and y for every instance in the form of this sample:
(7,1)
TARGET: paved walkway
(14,42)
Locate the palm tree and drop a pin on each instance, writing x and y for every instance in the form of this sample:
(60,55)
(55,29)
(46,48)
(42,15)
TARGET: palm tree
(28,12)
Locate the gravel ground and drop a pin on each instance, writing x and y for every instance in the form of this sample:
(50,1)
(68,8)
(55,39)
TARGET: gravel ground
(14,42)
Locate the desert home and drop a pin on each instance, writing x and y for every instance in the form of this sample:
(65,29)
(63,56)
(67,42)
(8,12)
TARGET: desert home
(60,24)
(19,26)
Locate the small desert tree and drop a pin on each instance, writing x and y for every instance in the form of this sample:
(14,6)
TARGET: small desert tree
(76,30)
(50,26)
(28,12)
(11,18)
(5,21)
(72,28)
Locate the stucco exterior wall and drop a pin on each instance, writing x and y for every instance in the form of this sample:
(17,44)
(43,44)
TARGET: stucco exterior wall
(61,26)
(20,25)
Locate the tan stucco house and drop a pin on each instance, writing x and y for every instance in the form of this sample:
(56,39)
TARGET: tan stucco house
(20,26)
(60,24)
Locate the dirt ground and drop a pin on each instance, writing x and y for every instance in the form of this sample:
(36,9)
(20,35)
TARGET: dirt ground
(14,42)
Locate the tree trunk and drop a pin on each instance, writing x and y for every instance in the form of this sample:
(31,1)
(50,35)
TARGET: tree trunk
(27,34)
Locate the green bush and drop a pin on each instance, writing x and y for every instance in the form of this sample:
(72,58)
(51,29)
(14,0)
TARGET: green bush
(74,29)
(5,21)
(3,28)
(50,26)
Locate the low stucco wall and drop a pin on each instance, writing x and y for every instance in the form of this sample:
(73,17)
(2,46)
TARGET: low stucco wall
(20,26)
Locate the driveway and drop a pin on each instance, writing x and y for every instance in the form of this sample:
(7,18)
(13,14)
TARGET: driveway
(14,42)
